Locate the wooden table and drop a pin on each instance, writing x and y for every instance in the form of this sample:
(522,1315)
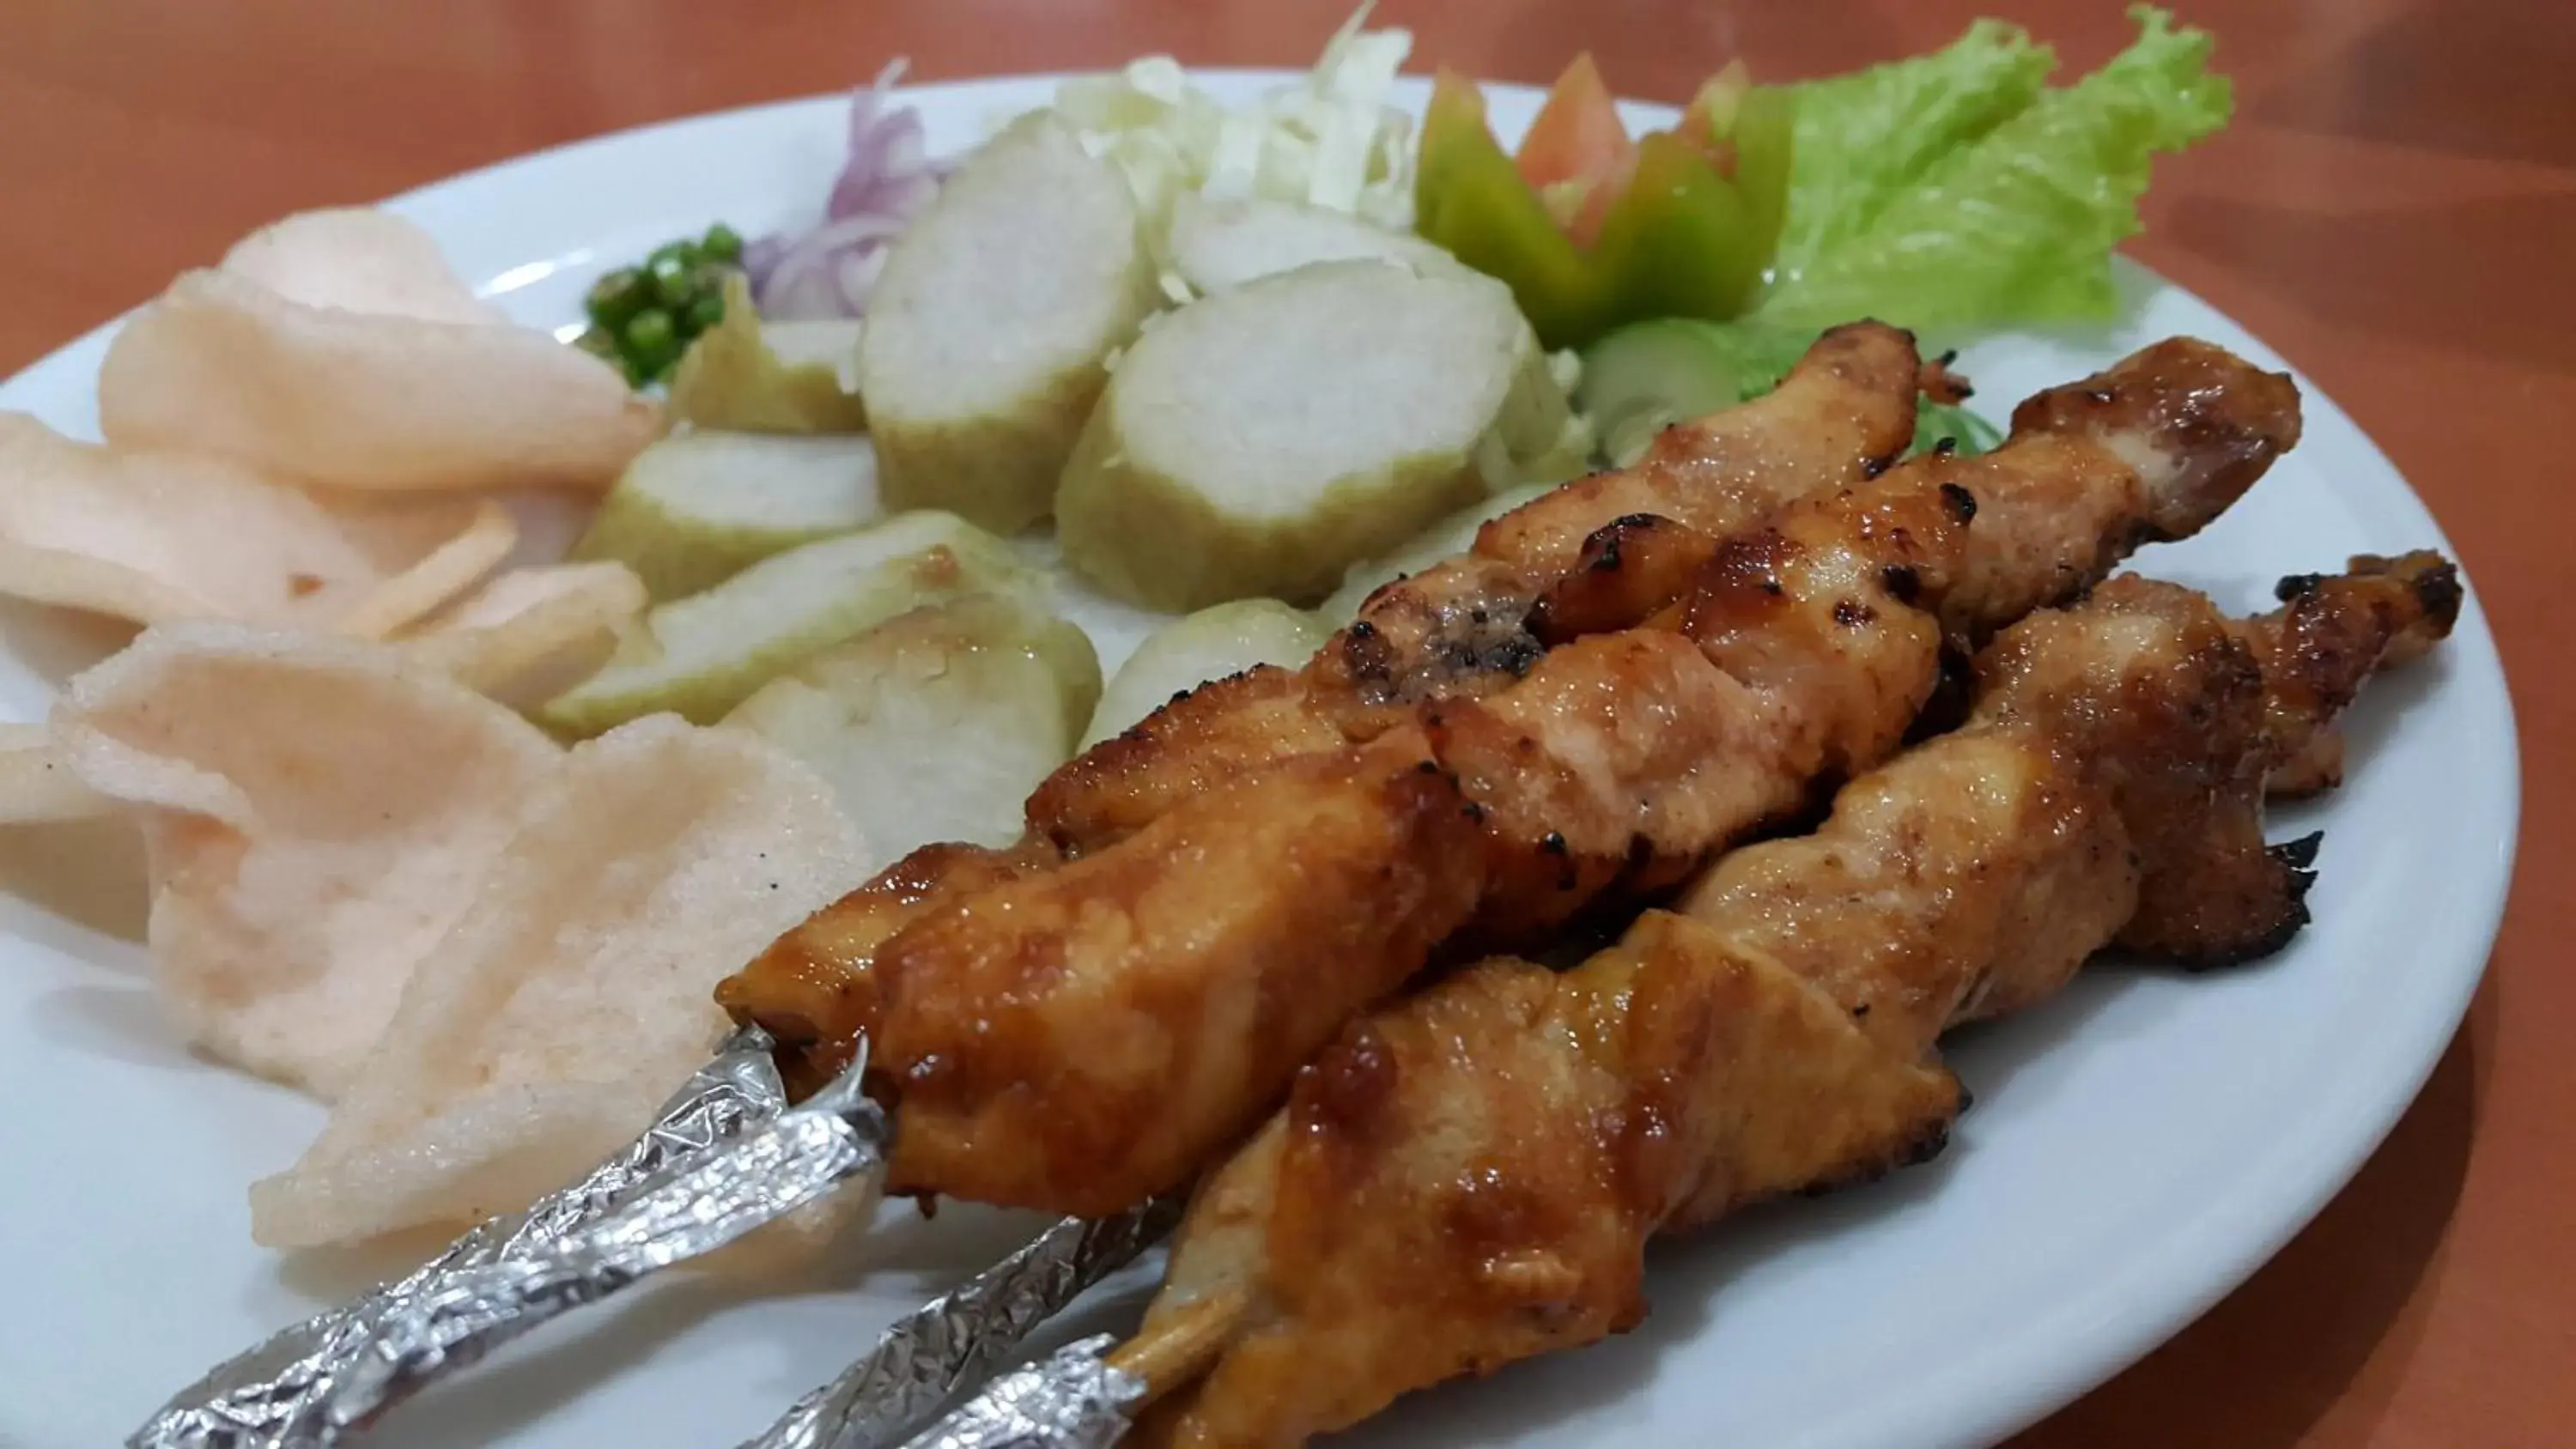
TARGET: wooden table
(2394,208)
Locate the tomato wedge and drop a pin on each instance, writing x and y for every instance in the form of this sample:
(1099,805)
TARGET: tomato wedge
(1578,135)
(1708,123)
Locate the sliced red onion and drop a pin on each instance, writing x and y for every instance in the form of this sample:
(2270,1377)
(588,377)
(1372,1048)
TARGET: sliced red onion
(888,177)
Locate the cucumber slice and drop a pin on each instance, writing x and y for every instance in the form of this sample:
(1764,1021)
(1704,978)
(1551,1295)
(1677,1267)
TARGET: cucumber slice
(1192,650)
(1647,376)
(693,511)
(702,655)
(752,376)
(937,724)
(989,332)
(1450,536)
(1257,442)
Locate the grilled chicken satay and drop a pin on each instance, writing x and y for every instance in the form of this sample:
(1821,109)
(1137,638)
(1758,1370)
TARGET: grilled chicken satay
(1469,1178)
(1461,628)
(2317,622)
(1457,628)
(1805,647)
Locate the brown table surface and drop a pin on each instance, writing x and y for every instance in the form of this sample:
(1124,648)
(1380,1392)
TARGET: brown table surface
(2394,208)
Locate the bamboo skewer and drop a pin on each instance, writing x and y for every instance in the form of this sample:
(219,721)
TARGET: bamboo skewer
(1183,1346)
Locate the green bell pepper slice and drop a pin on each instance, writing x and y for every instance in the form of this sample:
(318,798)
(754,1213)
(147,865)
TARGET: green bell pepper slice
(1681,238)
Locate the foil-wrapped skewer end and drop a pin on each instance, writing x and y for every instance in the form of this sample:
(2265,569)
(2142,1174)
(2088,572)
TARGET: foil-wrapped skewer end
(276,1394)
(1074,1399)
(787,1163)
(926,1356)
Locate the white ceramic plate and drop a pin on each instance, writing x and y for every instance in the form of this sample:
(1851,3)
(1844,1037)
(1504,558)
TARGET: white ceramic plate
(2138,1145)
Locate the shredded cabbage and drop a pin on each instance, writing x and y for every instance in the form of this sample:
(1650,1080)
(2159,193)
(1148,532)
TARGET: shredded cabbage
(1329,140)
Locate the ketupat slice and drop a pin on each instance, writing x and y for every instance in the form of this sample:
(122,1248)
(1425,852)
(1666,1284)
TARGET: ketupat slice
(1210,644)
(702,655)
(989,331)
(693,511)
(935,725)
(1539,438)
(755,376)
(1218,245)
(576,991)
(1258,442)
(1450,536)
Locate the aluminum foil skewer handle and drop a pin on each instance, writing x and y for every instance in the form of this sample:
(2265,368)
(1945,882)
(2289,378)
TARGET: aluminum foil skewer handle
(938,1348)
(792,1161)
(1075,1399)
(273,1396)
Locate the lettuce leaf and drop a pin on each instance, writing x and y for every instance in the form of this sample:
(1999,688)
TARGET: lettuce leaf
(2018,224)
(1952,423)
(1864,138)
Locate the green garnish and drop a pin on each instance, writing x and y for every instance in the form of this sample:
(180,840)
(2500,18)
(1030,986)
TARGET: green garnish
(643,317)
(651,340)
(674,271)
(616,297)
(1957,191)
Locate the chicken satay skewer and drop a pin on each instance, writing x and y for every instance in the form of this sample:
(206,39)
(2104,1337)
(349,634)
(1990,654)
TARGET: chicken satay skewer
(2315,652)
(1461,1180)
(2086,721)
(1080,1038)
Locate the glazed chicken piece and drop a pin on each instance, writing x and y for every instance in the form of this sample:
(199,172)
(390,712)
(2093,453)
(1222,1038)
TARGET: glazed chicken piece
(1619,763)
(2394,608)
(1470,1177)
(1104,1023)
(820,976)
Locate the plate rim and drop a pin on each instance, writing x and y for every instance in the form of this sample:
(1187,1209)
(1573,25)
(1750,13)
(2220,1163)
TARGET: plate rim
(2239,1233)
